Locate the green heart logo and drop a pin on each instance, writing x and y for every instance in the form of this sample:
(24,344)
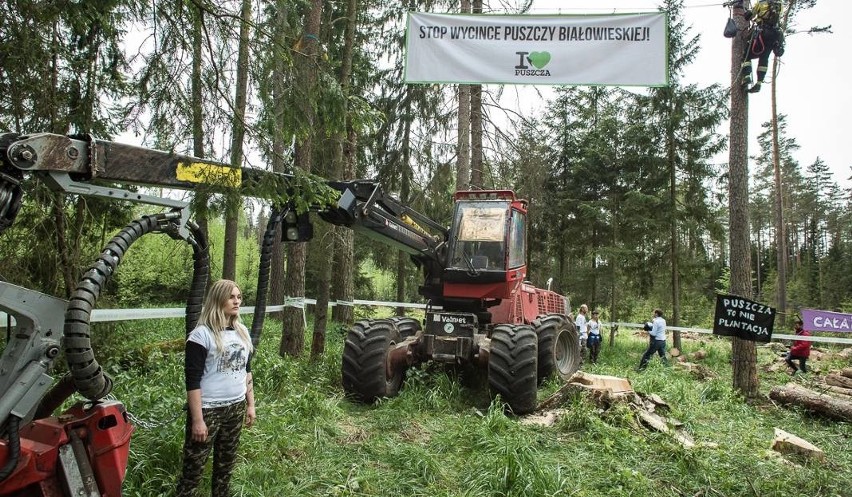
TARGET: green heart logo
(539,59)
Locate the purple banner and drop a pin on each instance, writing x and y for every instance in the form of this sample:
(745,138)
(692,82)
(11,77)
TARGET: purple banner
(816,320)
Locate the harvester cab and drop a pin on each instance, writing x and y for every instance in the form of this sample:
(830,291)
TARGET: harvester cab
(487,246)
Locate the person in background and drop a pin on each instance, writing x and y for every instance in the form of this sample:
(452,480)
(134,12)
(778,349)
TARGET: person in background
(219,390)
(657,341)
(800,350)
(595,338)
(582,329)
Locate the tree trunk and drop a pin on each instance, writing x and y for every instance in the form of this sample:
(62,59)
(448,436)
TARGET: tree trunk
(279,84)
(238,131)
(293,334)
(814,401)
(780,237)
(324,245)
(671,159)
(744,353)
(200,199)
(463,155)
(68,283)
(344,288)
(476,173)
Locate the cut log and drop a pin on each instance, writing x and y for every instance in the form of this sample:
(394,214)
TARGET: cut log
(839,381)
(787,443)
(847,372)
(674,352)
(845,392)
(814,401)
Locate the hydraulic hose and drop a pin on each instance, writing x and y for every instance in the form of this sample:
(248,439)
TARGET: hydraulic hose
(14,448)
(275,217)
(89,378)
(63,389)
(200,275)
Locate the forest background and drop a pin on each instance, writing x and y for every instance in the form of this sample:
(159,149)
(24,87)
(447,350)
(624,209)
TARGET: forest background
(621,183)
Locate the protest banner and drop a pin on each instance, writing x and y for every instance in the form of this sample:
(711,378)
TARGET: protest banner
(743,318)
(613,49)
(816,320)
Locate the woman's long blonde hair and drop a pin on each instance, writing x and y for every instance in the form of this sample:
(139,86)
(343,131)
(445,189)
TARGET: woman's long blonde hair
(213,314)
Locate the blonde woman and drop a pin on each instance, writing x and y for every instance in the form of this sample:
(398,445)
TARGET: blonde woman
(219,390)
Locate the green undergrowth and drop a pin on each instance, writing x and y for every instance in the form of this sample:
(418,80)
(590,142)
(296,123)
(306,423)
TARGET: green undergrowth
(442,436)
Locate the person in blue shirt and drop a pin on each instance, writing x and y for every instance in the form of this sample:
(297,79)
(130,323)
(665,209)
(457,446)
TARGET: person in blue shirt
(657,342)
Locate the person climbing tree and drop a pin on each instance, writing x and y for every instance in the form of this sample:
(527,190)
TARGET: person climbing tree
(764,37)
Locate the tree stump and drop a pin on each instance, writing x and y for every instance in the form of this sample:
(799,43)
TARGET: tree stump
(821,403)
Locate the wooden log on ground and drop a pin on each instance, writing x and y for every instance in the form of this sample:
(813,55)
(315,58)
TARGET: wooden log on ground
(845,392)
(787,443)
(847,372)
(674,352)
(838,381)
(818,402)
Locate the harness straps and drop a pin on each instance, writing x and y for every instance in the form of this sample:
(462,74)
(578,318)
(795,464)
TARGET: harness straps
(758,39)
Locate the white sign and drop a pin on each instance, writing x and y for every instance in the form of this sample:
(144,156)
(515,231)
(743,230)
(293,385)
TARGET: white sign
(615,50)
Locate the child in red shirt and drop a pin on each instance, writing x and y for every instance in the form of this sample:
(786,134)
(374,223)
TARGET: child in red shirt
(800,350)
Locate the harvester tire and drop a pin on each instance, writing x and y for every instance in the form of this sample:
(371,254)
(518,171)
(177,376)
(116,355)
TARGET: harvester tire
(407,327)
(558,346)
(367,375)
(513,366)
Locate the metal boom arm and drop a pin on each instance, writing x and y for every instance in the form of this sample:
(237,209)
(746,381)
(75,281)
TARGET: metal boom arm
(76,164)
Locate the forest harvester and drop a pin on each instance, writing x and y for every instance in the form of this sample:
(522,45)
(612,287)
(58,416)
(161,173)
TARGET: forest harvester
(480,310)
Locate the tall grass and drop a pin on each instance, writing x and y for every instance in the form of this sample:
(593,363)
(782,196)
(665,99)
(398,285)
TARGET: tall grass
(442,436)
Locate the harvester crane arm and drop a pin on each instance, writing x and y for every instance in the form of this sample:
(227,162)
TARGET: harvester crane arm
(77,164)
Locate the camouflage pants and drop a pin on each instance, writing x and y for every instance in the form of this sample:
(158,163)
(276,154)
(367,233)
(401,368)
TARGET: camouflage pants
(224,425)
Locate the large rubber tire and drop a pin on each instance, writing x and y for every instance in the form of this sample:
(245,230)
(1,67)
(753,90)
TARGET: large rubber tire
(558,346)
(513,366)
(366,375)
(407,326)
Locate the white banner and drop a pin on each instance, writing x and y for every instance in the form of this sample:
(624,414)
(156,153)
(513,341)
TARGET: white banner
(615,50)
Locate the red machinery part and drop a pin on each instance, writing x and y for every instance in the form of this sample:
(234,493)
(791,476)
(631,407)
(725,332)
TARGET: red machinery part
(105,432)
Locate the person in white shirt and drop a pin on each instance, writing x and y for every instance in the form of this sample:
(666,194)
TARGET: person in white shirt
(595,338)
(582,329)
(657,342)
(219,390)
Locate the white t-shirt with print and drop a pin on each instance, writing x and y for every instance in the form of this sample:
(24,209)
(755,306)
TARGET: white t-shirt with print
(224,378)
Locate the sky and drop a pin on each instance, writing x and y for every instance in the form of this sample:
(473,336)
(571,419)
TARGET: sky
(812,79)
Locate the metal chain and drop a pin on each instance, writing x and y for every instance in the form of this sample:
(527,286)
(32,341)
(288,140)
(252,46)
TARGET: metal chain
(142,423)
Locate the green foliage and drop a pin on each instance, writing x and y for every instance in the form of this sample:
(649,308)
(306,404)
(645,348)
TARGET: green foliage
(442,437)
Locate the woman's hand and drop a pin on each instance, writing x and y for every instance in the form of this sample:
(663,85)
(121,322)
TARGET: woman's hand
(251,415)
(199,430)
